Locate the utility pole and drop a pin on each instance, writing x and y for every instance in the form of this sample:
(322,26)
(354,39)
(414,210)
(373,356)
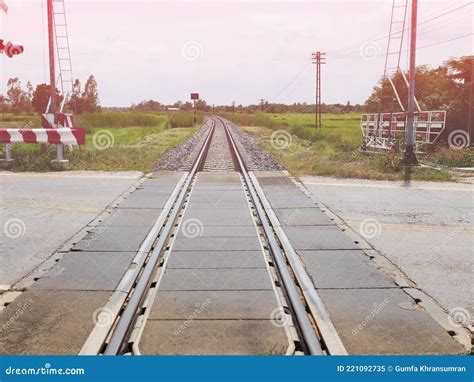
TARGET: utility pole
(262,104)
(59,162)
(233,111)
(318,59)
(52,75)
(470,122)
(410,156)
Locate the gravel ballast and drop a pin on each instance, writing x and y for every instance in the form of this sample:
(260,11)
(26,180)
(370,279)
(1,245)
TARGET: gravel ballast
(255,158)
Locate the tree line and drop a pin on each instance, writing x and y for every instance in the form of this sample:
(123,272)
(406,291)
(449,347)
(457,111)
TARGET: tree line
(448,87)
(28,100)
(268,107)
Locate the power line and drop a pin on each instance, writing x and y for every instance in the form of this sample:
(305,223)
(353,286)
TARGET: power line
(442,42)
(400,31)
(449,22)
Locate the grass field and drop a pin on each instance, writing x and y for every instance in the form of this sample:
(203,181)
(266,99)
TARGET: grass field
(115,141)
(118,141)
(334,149)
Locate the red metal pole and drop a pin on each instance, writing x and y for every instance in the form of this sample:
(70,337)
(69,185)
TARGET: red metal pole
(52,74)
(316,94)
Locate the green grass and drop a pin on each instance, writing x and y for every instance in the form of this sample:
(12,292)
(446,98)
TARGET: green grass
(334,149)
(115,141)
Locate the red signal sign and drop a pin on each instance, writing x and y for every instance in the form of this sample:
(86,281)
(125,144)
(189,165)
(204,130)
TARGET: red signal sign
(194,96)
(10,49)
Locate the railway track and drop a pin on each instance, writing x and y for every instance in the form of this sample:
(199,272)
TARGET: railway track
(307,325)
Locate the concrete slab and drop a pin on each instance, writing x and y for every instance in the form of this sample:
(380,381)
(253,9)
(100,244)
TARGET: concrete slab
(124,217)
(86,271)
(216,279)
(424,228)
(144,199)
(222,217)
(112,239)
(385,321)
(49,322)
(218,196)
(275,181)
(344,269)
(302,216)
(213,337)
(319,237)
(217,244)
(218,205)
(289,201)
(212,184)
(49,215)
(219,177)
(206,186)
(220,231)
(217,305)
(216,259)
(270,174)
(149,189)
(160,178)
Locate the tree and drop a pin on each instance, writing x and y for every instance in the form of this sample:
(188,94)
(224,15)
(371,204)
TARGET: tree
(86,101)
(460,72)
(150,105)
(4,106)
(41,97)
(90,95)
(29,90)
(17,96)
(446,87)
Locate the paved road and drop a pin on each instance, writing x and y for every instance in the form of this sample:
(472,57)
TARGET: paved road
(425,228)
(39,212)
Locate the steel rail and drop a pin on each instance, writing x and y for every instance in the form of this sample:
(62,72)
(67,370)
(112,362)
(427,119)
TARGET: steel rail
(100,332)
(128,317)
(325,326)
(310,340)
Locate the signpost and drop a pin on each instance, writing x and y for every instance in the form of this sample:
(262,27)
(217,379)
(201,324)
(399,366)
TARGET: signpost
(194,98)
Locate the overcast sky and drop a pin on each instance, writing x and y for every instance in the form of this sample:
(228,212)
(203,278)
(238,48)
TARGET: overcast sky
(226,51)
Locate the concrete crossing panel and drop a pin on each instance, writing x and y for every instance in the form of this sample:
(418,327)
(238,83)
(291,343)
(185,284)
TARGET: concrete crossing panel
(217,305)
(216,259)
(87,271)
(213,337)
(215,279)
(344,269)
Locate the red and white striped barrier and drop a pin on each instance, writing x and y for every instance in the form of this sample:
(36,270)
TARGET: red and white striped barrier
(66,136)
(63,119)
